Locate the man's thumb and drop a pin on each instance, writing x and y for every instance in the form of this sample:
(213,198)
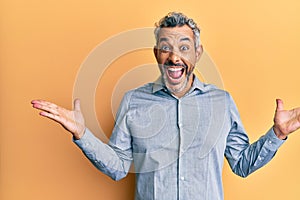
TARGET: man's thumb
(77,104)
(279,105)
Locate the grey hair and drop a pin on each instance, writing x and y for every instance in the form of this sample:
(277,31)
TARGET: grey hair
(174,19)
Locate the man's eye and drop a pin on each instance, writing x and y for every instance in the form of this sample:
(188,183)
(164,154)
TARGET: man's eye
(184,48)
(165,48)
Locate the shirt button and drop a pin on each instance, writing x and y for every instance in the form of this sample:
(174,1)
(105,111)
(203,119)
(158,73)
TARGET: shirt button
(270,142)
(182,178)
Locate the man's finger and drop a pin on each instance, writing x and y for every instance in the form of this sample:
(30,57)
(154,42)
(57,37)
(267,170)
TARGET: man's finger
(46,108)
(44,103)
(51,116)
(279,105)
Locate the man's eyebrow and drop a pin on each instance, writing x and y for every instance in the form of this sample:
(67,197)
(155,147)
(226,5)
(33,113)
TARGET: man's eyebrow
(185,39)
(163,39)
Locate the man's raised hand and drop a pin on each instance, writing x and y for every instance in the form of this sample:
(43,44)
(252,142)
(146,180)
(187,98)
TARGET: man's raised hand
(71,120)
(285,121)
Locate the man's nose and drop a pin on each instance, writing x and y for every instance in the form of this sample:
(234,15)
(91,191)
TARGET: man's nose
(174,57)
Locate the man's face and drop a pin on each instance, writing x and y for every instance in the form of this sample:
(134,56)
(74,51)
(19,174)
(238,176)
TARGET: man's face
(176,56)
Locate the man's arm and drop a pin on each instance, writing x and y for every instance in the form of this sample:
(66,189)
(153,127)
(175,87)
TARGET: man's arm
(243,157)
(112,160)
(115,158)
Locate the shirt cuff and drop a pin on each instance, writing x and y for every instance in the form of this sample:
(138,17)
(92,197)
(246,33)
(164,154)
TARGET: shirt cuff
(272,141)
(86,140)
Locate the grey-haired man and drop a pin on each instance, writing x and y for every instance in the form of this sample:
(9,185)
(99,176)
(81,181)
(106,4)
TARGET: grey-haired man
(177,129)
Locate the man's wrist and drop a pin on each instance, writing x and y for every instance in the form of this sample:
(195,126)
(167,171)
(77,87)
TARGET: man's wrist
(278,133)
(79,135)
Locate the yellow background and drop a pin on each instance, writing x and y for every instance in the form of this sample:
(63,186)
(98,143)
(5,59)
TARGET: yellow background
(255,45)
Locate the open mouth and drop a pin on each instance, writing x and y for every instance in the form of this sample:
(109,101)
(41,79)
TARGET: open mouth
(175,72)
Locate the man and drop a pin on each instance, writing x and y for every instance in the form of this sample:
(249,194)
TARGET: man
(177,129)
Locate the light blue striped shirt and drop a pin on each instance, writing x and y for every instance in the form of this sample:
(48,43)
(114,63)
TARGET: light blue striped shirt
(177,145)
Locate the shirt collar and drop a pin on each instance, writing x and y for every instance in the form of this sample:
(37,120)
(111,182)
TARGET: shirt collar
(159,85)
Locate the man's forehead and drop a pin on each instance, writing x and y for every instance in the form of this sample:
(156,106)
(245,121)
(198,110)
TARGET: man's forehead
(177,32)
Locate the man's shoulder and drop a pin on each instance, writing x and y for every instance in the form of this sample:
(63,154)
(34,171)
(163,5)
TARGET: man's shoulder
(206,87)
(146,89)
(211,88)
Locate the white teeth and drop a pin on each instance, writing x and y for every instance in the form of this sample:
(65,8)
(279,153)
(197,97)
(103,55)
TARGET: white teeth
(174,69)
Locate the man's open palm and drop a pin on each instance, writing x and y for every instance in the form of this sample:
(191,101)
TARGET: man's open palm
(71,120)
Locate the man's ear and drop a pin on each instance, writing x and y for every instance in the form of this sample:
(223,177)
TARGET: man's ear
(155,52)
(199,52)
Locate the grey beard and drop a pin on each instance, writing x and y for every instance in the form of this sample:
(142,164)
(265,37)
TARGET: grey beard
(179,89)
